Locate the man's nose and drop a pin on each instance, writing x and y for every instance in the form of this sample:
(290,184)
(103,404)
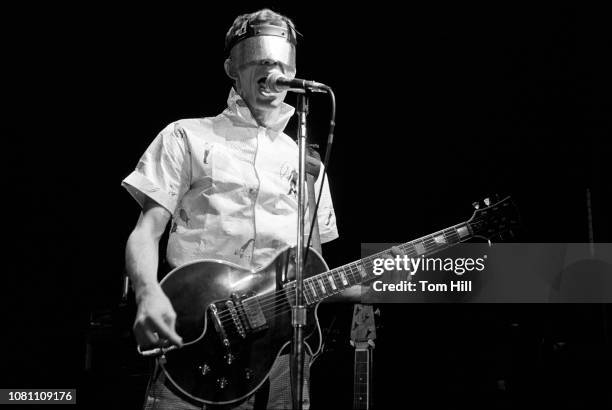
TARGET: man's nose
(268,61)
(271,65)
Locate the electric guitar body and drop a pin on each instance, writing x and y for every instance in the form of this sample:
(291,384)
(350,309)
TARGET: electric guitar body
(232,331)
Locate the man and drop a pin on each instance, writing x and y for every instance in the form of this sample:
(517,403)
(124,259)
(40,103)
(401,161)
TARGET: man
(228,185)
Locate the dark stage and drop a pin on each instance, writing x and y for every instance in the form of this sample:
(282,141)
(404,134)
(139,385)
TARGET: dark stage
(437,107)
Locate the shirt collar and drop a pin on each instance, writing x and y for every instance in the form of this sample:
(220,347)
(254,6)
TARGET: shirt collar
(239,112)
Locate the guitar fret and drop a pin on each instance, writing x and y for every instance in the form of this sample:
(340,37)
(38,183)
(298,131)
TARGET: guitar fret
(307,297)
(323,290)
(308,294)
(335,279)
(344,280)
(462,231)
(331,282)
(449,234)
(313,290)
(292,297)
(353,275)
(408,249)
(430,245)
(350,273)
(439,239)
(420,248)
(362,271)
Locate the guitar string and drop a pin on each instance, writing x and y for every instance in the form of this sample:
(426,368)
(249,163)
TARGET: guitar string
(265,301)
(280,301)
(271,299)
(429,240)
(353,268)
(283,307)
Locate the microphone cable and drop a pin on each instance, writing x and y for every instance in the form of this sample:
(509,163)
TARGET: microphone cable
(328,149)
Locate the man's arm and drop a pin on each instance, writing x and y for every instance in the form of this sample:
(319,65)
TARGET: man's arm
(155,317)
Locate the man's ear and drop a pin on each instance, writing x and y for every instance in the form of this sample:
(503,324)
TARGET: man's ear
(230,70)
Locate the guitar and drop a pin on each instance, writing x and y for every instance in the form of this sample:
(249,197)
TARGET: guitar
(234,322)
(363,334)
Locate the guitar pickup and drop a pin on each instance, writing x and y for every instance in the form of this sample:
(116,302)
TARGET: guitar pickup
(254,313)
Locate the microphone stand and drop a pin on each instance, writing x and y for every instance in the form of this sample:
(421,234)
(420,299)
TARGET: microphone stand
(298,312)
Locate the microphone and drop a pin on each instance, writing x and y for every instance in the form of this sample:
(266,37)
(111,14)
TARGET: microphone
(276,83)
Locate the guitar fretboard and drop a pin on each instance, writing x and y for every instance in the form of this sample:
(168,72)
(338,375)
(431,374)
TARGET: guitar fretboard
(362,378)
(326,284)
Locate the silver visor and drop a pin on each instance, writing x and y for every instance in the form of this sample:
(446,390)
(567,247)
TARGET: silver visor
(272,48)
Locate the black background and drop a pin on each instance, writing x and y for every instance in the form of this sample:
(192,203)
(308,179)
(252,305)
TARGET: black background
(437,107)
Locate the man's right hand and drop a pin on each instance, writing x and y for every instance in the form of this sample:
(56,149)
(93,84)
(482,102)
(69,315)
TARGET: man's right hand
(155,319)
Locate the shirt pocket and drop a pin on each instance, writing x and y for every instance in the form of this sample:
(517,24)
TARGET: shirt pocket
(232,173)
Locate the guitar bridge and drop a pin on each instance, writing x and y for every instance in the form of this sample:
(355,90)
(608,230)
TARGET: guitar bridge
(219,325)
(221,331)
(234,314)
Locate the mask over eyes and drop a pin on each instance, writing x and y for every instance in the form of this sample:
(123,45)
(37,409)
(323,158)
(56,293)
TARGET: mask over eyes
(264,42)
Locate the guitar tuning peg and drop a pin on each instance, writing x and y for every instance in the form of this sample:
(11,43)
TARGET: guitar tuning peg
(487,201)
(476,205)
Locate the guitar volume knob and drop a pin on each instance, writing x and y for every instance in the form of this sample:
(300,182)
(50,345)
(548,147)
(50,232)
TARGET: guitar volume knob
(229,358)
(222,382)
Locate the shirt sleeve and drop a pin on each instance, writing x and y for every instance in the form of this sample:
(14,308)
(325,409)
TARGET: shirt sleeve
(325,215)
(164,170)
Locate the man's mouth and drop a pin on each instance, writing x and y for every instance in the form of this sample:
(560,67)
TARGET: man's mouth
(263,90)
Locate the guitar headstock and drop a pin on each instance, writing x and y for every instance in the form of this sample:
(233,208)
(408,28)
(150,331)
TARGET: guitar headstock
(363,328)
(494,217)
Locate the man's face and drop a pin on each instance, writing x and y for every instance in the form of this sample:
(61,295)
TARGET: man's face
(250,63)
(250,83)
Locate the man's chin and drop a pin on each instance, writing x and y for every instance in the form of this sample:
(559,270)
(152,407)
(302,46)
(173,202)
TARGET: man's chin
(268,103)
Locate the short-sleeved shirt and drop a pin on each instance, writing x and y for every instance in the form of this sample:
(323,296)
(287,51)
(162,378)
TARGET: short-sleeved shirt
(230,185)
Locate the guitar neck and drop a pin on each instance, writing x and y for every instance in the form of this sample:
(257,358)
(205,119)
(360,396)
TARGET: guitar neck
(362,376)
(326,284)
